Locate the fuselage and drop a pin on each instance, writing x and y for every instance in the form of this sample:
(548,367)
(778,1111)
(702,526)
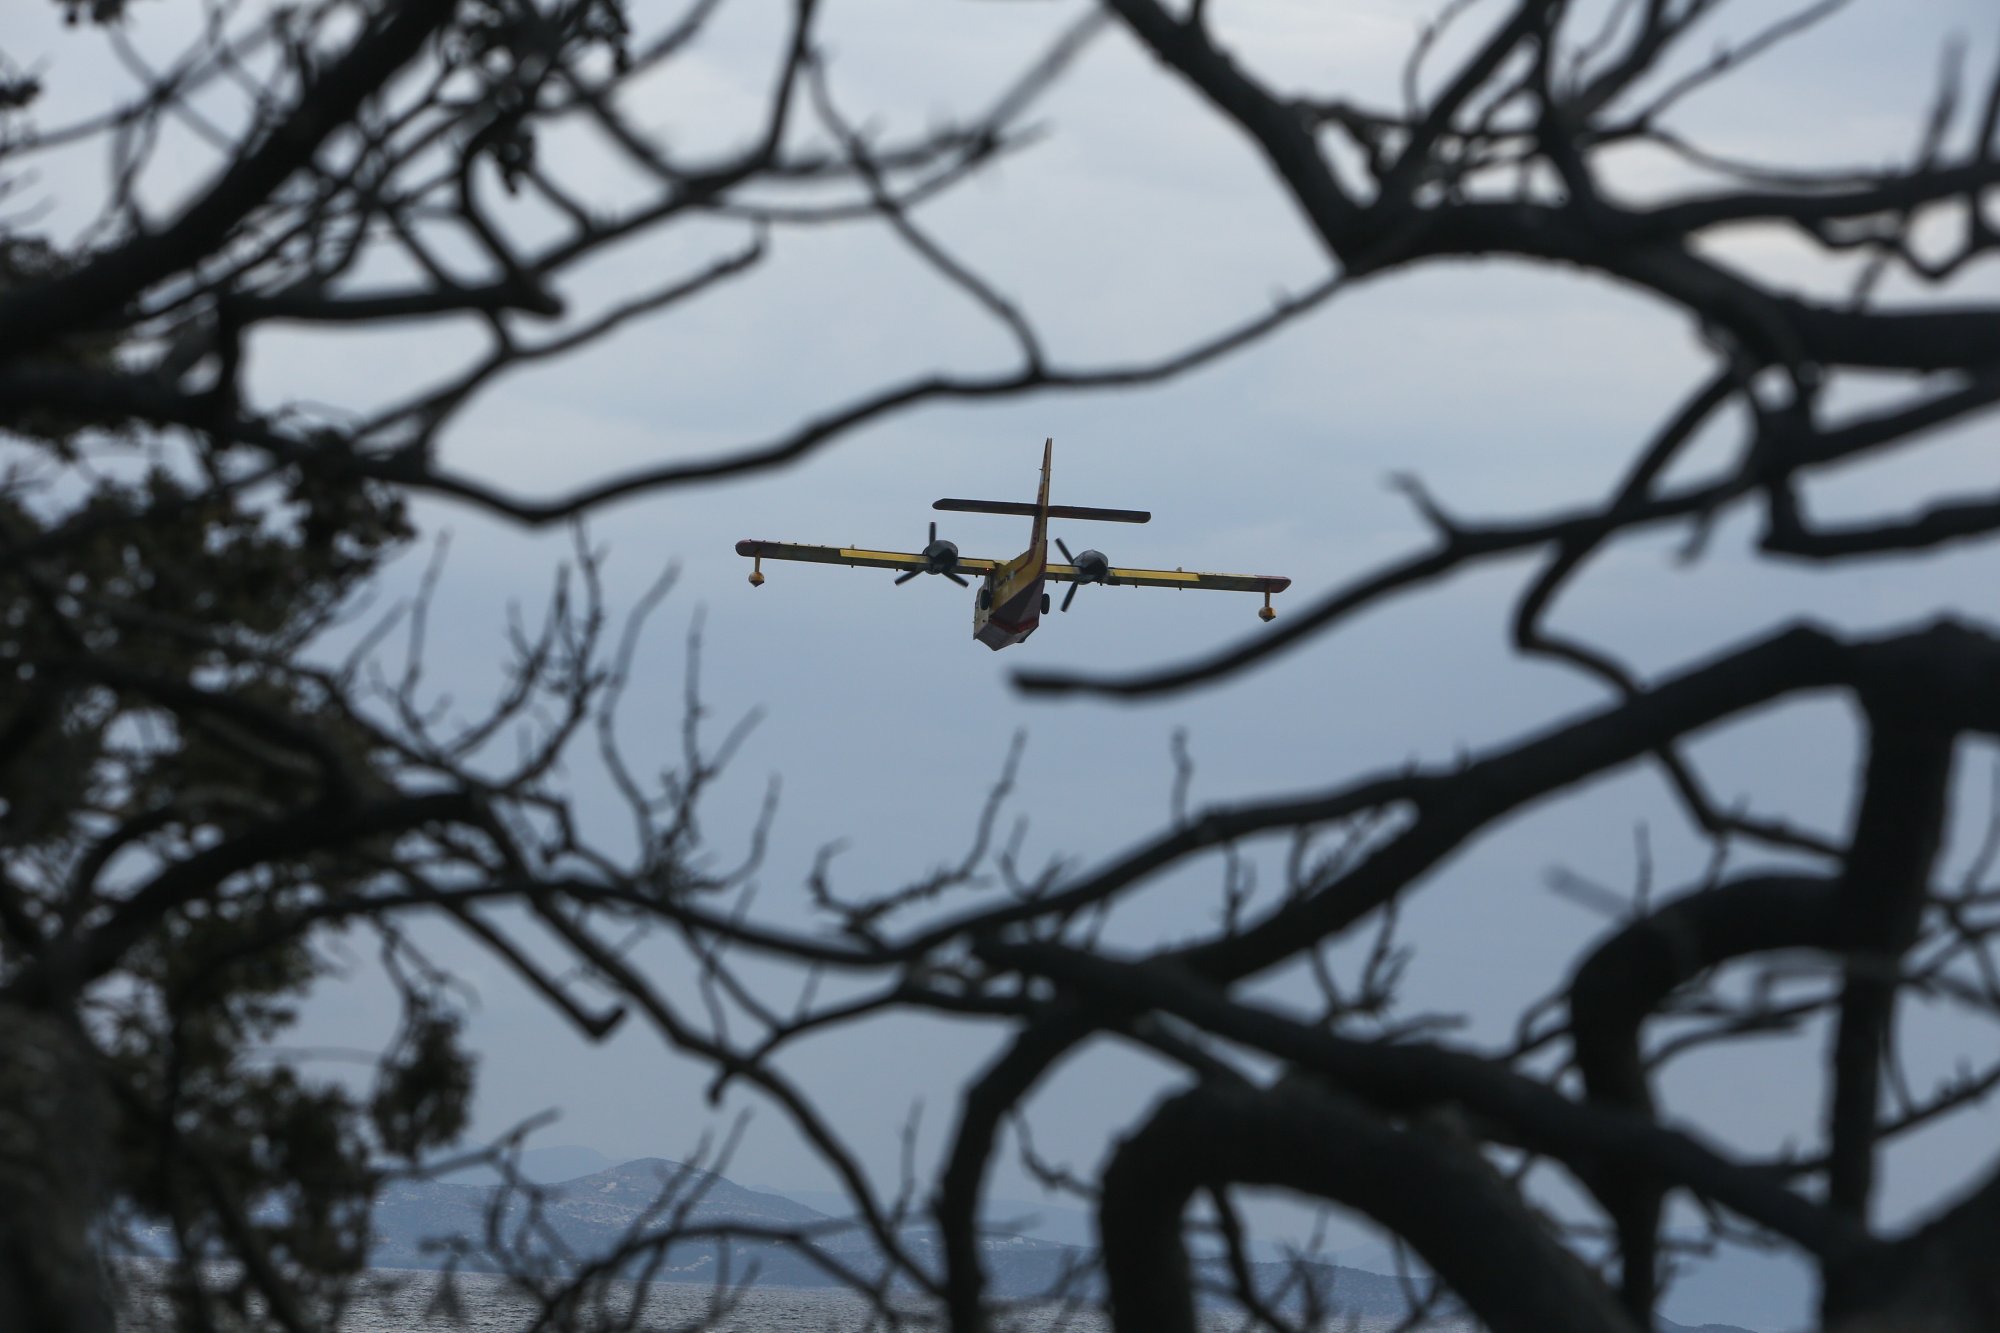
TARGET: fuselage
(1008,605)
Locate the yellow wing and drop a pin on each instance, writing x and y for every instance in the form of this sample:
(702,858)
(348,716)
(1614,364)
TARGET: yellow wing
(851,555)
(1175,578)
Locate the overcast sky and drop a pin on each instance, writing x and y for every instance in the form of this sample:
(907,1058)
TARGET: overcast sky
(1139,223)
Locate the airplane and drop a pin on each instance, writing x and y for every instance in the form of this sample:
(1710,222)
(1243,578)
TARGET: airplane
(1011,601)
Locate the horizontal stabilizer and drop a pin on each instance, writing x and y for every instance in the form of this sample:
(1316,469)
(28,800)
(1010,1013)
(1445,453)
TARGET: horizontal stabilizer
(1027,509)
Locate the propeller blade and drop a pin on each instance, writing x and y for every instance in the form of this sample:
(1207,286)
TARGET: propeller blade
(1070,596)
(956,579)
(907,577)
(933,529)
(1072,560)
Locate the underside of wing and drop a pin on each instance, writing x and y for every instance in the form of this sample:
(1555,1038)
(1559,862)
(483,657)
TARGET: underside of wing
(851,555)
(1176,578)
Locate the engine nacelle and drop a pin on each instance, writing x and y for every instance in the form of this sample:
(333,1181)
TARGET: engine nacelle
(941,557)
(1092,567)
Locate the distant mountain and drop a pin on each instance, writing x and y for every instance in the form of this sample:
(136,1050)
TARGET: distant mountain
(581,1219)
(429,1224)
(424,1224)
(574,1221)
(1039,1219)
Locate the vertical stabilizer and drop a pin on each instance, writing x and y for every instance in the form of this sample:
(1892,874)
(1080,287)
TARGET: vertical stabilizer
(1039,543)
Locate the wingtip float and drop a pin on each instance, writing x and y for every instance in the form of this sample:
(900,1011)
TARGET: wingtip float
(1012,596)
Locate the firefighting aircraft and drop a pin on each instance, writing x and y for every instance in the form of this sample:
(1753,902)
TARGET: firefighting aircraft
(1010,602)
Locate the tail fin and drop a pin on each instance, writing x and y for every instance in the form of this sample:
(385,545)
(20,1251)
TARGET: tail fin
(1039,542)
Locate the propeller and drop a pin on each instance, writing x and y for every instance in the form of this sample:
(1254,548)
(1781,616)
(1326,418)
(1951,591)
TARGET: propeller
(939,558)
(1091,567)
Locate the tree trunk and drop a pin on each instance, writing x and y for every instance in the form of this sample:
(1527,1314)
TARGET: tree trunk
(51,1276)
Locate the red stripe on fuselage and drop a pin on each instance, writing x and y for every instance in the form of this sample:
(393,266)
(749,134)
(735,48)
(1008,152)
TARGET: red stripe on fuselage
(1014,620)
